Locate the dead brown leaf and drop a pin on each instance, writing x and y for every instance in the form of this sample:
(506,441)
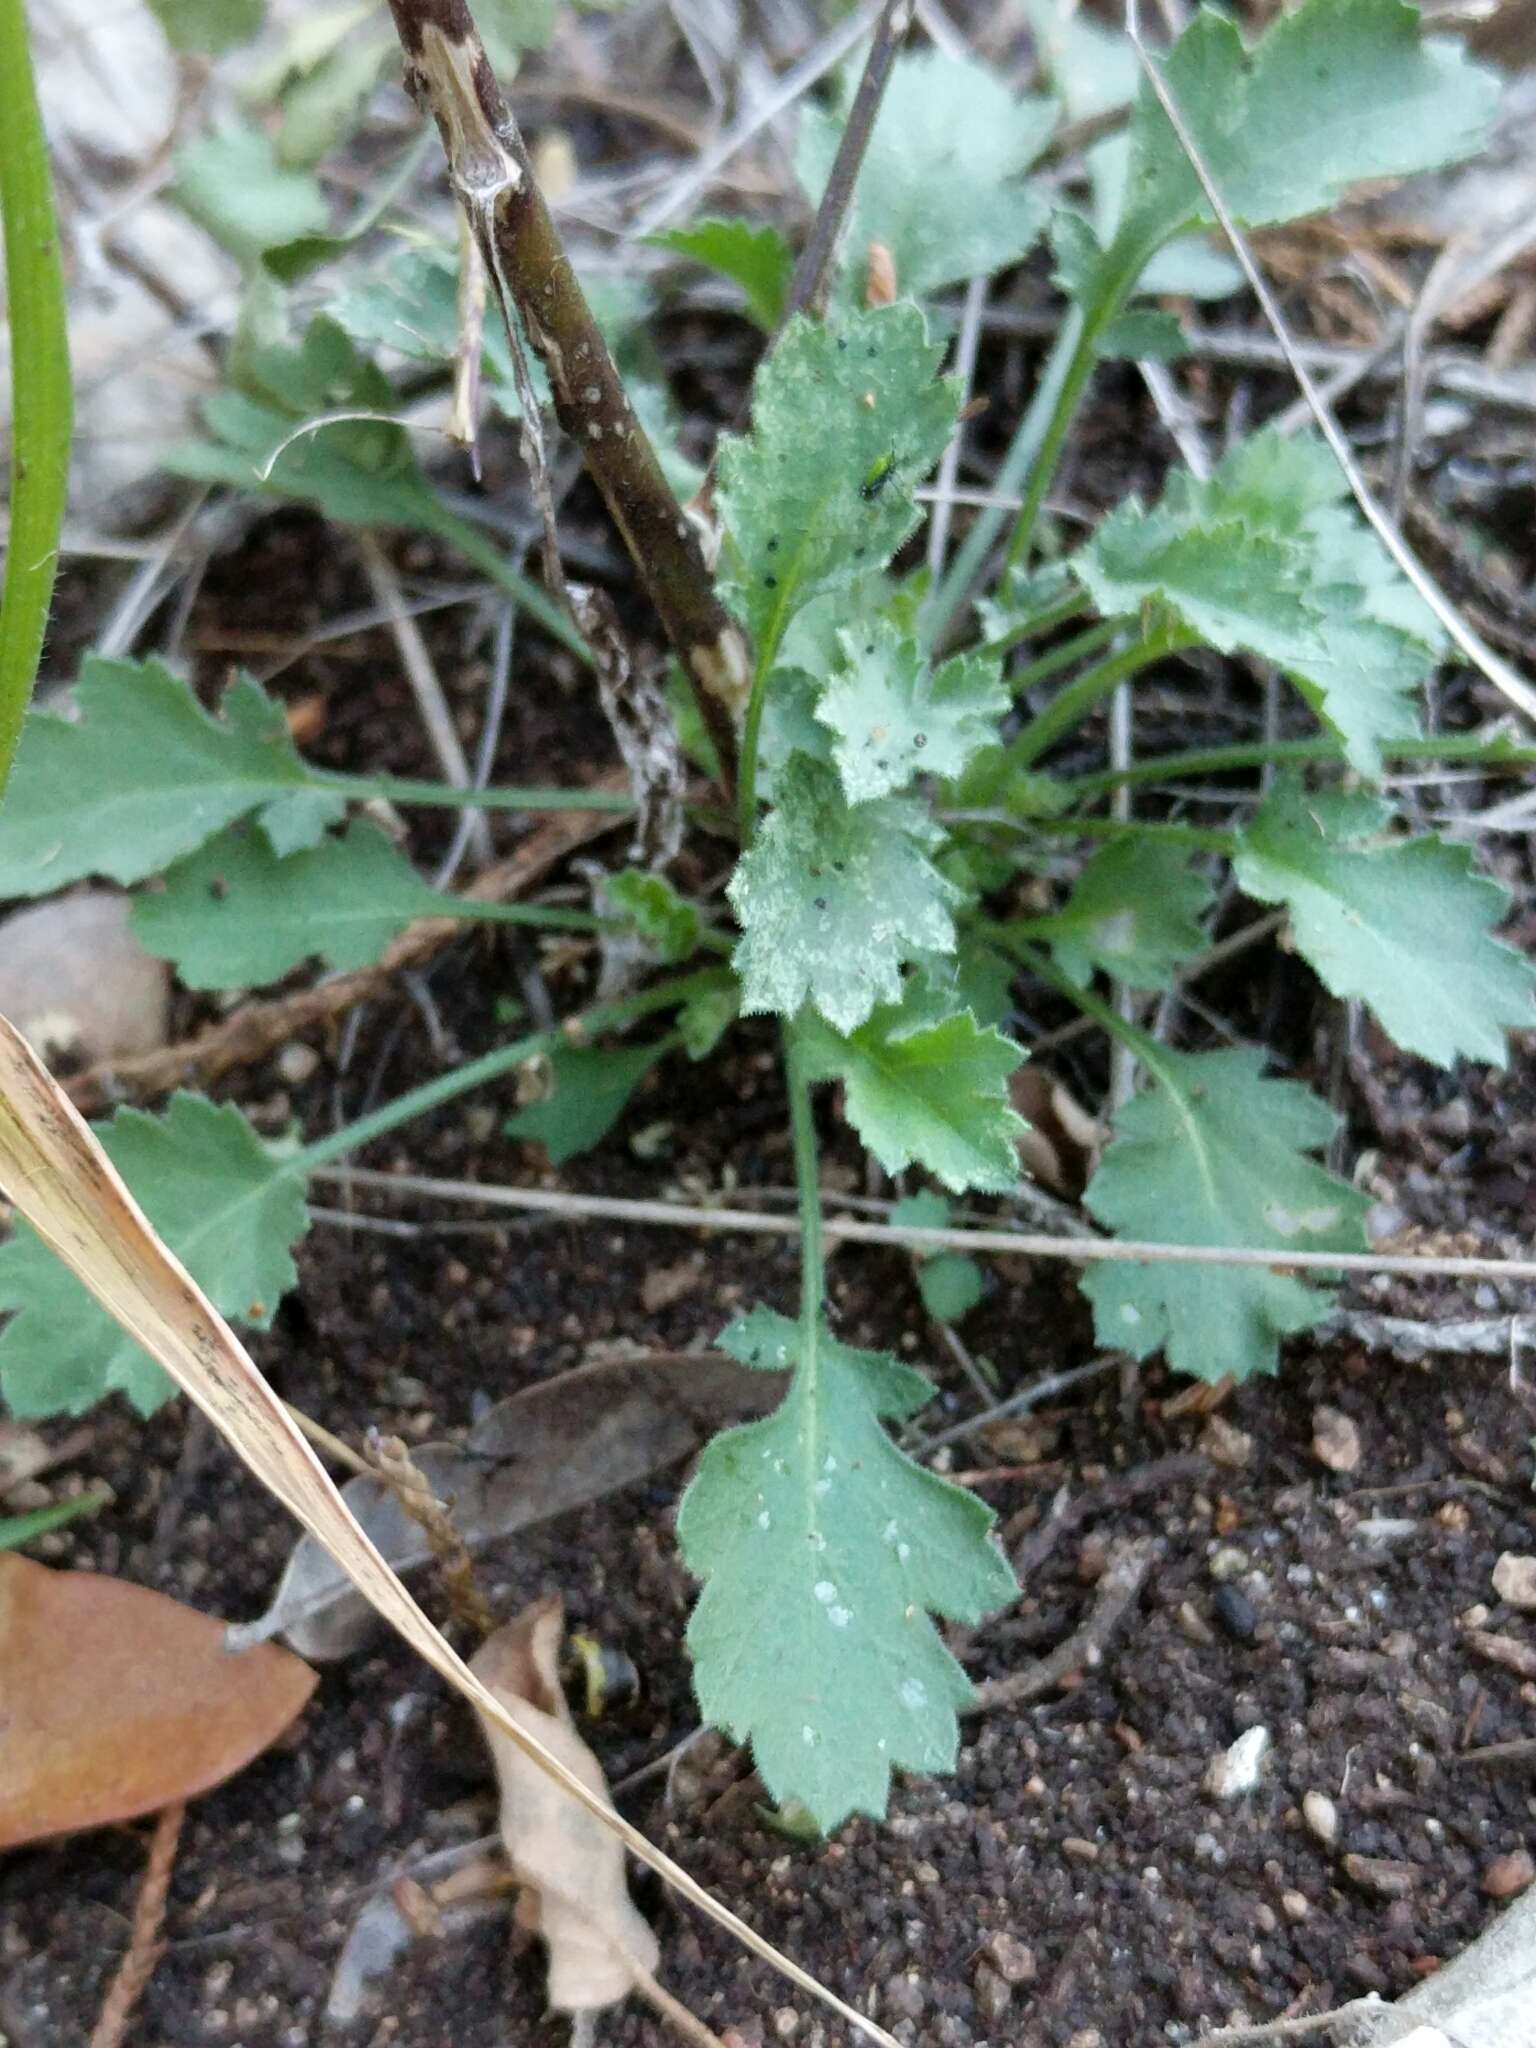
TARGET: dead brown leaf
(575,1892)
(115,1701)
(1062,1145)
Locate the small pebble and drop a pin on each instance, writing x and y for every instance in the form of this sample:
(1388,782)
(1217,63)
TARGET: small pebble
(1236,1613)
(1514,1580)
(1335,1440)
(1238,1770)
(1195,1625)
(1508,1875)
(1382,1875)
(296,1063)
(1225,1444)
(905,1998)
(994,1995)
(1322,1817)
(1294,1906)
(786,2022)
(1013,1960)
(1228,1562)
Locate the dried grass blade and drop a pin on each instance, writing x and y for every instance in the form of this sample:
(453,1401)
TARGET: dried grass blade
(61,1181)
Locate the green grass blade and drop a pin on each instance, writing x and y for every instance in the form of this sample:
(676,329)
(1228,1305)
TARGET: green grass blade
(42,406)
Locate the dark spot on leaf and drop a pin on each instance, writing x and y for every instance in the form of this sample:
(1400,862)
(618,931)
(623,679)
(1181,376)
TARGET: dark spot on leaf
(821,902)
(919,739)
(771,582)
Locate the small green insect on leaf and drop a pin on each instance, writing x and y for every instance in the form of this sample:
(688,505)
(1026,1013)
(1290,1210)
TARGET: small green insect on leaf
(670,926)
(1216,1154)
(824,1551)
(830,405)
(1403,924)
(1134,911)
(834,900)
(1266,557)
(926,1087)
(235,914)
(144,775)
(758,259)
(590,1087)
(942,186)
(228,1206)
(895,716)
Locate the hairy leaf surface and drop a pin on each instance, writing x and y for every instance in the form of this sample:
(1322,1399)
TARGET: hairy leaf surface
(895,716)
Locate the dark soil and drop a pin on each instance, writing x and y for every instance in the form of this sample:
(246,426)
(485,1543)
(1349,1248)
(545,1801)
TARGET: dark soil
(1075,1845)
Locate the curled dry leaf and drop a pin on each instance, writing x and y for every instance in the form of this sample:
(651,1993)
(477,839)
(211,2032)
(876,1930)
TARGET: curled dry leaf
(575,1892)
(115,1701)
(1061,1147)
(542,1452)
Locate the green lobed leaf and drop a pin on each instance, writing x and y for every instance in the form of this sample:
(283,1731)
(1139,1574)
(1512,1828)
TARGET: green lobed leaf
(233,185)
(1403,924)
(926,1088)
(1258,558)
(706,1017)
(1134,911)
(824,1551)
(896,716)
(590,1087)
(834,900)
(846,418)
(1216,1154)
(235,914)
(144,775)
(228,1206)
(941,186)
(1337,91)
(756,258)
(669,924)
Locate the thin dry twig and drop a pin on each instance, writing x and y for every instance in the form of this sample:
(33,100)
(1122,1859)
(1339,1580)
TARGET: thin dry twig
(1498,672)
(395,1465)
(144,1944)
(808,286)
(1130,1561)
(1020,1243)
(449,75)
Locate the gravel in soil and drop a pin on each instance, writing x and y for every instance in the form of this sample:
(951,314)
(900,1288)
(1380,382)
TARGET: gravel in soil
(1073,1883)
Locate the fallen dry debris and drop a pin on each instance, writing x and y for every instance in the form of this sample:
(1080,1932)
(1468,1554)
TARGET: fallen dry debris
(76,981)
(1123,1577)
(144,1944)
(1509,1651)
(553,1447)
(1514,1580)
(117,1701)
(575,1894)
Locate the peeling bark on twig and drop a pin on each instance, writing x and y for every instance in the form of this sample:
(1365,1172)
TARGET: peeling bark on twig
(448,73)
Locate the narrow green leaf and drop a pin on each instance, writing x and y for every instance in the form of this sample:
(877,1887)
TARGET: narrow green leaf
(670,925)
(1403,924)
(833,901)
(1134,911)
(1215,1154)
(16,1531)
(824,1551)
(41,391)
(756,258)
(144,775)
(235,914)
(224,1202)
(941,188)
(590,1087)
(927,1089)
(895,716)
(846,419)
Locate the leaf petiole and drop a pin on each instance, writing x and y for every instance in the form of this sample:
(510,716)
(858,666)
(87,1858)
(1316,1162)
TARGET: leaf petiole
(1071,705)
(1497,754)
